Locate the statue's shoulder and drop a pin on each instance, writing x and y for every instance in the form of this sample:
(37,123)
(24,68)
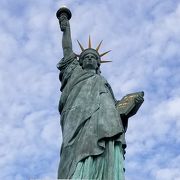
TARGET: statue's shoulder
(71,59)
(103,79)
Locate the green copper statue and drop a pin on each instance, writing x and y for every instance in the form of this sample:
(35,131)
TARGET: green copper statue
(93,122)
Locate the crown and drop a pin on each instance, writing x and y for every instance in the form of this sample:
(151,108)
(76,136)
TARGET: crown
(93,51)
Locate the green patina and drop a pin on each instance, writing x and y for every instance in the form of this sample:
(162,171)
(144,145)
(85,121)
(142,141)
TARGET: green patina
(93,127)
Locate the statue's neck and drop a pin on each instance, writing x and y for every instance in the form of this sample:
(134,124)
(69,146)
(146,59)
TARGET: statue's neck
(91,70)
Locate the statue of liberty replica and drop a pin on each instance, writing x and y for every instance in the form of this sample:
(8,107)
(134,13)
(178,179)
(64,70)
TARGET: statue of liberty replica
(93,122)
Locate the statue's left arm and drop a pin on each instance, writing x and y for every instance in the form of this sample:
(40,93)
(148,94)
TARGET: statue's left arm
(129,105)
(124,119)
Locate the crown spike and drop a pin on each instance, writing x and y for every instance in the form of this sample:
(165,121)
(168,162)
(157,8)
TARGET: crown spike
(104,53)
(97,49)
(89,41)
(82,49)
(105,61)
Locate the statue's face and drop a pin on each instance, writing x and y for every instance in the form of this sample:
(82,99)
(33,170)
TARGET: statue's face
(90,62)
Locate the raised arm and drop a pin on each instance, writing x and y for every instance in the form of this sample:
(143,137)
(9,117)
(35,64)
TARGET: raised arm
(65,28)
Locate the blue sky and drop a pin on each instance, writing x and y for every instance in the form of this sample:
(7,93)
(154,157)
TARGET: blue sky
(144,37)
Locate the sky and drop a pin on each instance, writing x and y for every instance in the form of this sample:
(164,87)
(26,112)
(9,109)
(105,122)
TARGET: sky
(144,37)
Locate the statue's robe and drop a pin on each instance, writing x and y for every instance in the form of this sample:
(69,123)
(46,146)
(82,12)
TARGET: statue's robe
(89,117)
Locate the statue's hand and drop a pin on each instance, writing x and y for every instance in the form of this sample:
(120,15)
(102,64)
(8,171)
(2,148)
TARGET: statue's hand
(64,22)
(139,99)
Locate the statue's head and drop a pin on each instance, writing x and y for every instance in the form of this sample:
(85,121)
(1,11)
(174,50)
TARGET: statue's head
(90,58)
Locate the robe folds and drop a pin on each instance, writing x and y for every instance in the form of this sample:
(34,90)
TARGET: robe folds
(89,117)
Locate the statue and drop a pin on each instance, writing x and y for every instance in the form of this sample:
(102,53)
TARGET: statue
(93,122)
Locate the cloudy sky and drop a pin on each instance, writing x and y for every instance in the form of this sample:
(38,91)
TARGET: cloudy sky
(144,37)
